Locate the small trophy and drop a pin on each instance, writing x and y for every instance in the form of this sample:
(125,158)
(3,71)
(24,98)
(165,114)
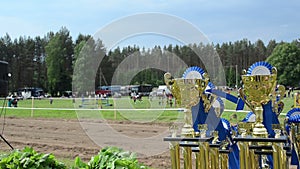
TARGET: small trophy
(187,93)
(257,90)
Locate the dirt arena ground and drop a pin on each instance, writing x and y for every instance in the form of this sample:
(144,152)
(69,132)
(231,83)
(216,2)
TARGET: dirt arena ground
(68,138)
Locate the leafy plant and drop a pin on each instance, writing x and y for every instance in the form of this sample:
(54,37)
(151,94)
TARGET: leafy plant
(28,158)
(111,158)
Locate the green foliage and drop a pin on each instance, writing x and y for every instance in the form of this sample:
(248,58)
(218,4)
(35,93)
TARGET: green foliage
(28,158)
(107,158)
(59,53)
(285,58)
(110,158)
(48,61)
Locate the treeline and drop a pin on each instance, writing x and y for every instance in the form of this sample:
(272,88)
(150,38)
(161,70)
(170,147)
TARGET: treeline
(49,62)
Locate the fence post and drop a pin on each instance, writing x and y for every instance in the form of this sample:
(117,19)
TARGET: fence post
(115,111)
(32,103)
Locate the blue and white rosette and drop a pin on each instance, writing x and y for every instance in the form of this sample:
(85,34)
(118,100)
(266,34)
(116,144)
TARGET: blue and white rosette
(210,86)
(294,119)
(260,68)
(219,104)
(226,124)
(250,117)
(293,115)
(196,72)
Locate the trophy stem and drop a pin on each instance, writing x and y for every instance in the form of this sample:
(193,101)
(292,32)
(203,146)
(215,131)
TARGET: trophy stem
(259,129)
(187,129)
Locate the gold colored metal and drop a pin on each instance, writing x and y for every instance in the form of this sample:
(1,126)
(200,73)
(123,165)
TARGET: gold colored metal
(224,156)
(214,152)
(295,137)
(275,103)
(297,100)
(249,128)
(202,130)
(277,133)
(253,160)
(279,154)
(279,157)
(297,144)
(248,159)
(224,161)
(277,126)
(174,149)
(198,160)
(203,157)
(187,93)
(244,154)
(175,155)
(187,156)
(216,137)
(245,128)
(201,85)
(256,91)
(214,157)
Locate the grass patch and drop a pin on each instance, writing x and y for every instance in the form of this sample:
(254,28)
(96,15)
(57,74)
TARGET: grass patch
(90,109)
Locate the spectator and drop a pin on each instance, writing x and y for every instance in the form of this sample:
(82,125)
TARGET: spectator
(51,100)
(170,100)
(13,102)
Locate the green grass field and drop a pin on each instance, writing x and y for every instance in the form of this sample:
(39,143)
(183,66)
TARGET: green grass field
(127,109)
(90,108)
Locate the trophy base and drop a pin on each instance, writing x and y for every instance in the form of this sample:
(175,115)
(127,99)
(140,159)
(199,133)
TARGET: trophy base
(187,131)
(259,131)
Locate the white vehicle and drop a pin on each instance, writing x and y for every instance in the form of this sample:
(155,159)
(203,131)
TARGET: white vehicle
(163,90)
(29,92)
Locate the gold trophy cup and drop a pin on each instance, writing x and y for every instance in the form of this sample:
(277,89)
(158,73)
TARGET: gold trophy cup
(256,91)
(187,93)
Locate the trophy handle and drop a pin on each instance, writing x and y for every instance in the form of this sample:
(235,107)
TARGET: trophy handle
(281,91)
(201,85)
(168,79)
(242,95)
(278,105)
(206,103)
(171,85)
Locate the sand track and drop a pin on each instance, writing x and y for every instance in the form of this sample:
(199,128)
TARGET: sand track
(67,138)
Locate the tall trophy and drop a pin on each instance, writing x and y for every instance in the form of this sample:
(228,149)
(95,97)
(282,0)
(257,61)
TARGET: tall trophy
(257,90)
(187,93)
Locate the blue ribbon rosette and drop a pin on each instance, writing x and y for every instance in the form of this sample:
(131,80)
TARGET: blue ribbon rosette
(260,68)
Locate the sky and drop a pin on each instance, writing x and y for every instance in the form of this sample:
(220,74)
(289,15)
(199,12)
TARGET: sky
(219,20)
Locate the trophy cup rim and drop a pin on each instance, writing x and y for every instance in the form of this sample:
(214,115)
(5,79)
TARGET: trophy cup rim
(258,75)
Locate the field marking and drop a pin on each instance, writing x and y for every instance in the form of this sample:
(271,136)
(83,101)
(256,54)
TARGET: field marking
(74,109)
